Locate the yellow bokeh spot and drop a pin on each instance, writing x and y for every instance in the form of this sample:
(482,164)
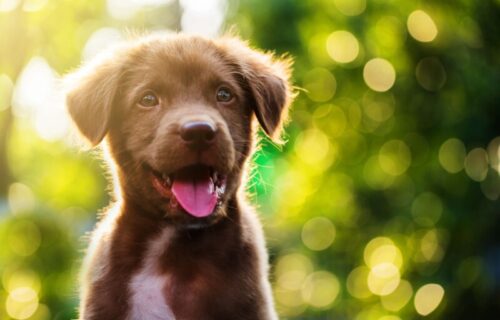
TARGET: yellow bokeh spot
(295,185)
(394,157)
(370,313)
(378,109)
(320,289)
(430,246)
(34,5)
(292,270)
(374,176)
(476,164)
(382,250)
(386,37)
(421,26)
(21,303)
(391,317)
(320,84)
(357,283)
(313,147)
(427,209)
(379,74)
(494,154)
(342,46)
(383,279)
(386,253)
(398,298)
(318,233)
(22,278)
(21,199)
(350,7)
(24,238)
(428,298)
(452,155)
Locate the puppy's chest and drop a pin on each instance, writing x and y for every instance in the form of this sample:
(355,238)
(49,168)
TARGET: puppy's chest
(147,286)
(147,293)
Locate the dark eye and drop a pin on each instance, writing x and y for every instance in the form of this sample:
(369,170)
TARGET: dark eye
(224,95)
(148,100)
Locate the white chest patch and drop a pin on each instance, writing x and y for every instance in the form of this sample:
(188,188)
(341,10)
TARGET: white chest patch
(147,285)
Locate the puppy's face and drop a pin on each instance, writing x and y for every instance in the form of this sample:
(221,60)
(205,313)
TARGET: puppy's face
(178,114)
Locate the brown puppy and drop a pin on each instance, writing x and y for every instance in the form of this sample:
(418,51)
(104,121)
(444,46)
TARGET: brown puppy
(178,114)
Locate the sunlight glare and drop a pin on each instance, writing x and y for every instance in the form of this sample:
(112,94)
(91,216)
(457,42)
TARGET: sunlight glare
(99,41)
(38,97)
(127,9)
(203,17)
(8,5)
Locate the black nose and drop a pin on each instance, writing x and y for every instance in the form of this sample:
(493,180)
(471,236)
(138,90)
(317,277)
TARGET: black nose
(198,133)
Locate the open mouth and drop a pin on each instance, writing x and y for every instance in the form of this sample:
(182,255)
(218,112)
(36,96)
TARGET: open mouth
(198,189)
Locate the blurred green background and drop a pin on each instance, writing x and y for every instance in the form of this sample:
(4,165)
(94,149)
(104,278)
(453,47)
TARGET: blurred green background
(383,205)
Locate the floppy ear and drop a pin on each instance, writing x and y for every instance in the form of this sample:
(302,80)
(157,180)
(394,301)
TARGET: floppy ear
(90,93)
(268,80)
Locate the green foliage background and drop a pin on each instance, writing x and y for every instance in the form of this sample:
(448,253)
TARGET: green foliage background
(359,164)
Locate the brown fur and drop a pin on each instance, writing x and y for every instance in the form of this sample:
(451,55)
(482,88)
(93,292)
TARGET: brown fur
(217,265)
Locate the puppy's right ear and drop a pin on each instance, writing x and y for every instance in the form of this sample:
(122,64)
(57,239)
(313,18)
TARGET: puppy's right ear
(90,94)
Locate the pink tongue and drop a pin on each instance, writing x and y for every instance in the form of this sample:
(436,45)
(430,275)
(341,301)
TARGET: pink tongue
(197,197)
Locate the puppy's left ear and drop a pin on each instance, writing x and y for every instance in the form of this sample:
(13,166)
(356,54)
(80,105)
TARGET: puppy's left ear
(90,94)
(268,81)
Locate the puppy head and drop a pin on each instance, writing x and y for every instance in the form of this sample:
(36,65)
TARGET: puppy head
(177,112)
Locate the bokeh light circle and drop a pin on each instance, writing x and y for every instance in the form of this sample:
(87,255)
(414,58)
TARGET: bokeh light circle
(342,46)
(383,279)
(382,250)
(452,155)
(427,209)
(430,74)
(357,283)
(428,298)
(379,74)
(318,233)
(21,303)
(476,164)
(494,154)
(350,7)
(421,26)
(320,289)
(320,84)
(396,300)
(394,157)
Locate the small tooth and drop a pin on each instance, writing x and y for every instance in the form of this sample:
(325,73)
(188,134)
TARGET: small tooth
(166,179)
